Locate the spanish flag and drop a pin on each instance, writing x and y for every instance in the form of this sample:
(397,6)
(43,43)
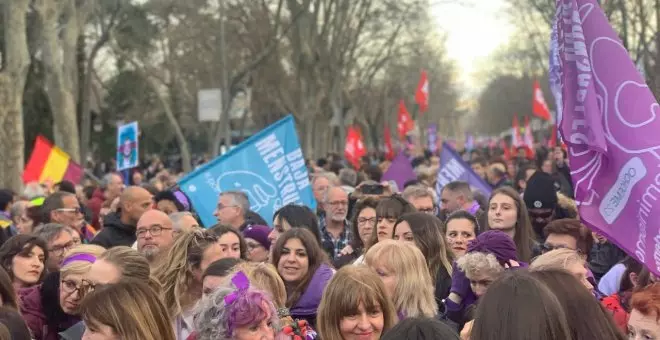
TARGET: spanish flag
(48,162)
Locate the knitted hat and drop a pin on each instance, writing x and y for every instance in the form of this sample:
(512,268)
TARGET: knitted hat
(258,233)
(497,243)
(540,192)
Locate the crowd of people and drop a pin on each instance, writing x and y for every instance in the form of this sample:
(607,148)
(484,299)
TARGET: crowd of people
(373,261)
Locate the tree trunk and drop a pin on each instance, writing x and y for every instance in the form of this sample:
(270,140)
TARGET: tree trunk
(12,82)
(59,60)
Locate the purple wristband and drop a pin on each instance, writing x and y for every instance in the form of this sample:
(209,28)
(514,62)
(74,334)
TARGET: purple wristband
(79,257)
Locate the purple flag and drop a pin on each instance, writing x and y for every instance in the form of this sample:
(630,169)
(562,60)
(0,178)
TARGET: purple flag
(400,171)
(609,122)
(453,168)
(433,137)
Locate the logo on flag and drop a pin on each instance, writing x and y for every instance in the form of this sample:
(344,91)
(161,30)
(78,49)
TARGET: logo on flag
(405,123)
(422,93)
(269,168)
(610,125)
(539,106)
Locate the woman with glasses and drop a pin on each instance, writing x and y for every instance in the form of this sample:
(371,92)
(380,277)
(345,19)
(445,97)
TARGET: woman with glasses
(24,258)
(363,224)
(258,245)
(52,307)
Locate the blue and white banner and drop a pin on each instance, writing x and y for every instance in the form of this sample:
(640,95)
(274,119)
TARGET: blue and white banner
(269,168)
(453,168)
(127,146)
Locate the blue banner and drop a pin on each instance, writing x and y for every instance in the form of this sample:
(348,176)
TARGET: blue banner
(269,168)
(453,168)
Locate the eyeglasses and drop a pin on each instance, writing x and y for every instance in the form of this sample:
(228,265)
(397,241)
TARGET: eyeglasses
(70,286)
(154,230)
(87,286)
(222,206)
(73,210)
(60,250)
(363,221)
(430,211)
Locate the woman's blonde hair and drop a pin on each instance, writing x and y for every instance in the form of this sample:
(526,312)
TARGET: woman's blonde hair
(131,265)
(74,266)
(131,308)
(556,259)
(265,277)
(176,273)
(414,292)
(348,288)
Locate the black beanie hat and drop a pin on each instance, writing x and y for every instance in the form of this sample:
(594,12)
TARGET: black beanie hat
(541,192)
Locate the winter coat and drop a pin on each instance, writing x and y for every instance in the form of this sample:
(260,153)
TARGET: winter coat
(308,304)
(40,308)
(115,233)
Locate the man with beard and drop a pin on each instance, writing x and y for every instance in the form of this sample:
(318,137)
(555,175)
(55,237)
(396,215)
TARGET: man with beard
(155,233)
(335,230)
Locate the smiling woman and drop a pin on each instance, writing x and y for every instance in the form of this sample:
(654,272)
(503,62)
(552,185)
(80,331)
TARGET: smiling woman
(304,268)
(355,306)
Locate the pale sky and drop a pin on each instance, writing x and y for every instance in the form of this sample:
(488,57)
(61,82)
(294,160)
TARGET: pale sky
(474,30)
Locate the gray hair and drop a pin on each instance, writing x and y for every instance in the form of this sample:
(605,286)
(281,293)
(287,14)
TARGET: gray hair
(33,190)
(478,263)
(105,181)
(18,209)
(177,217)
(239,199)
(211,314)
(348,176)
(50,231)
(326,194)
(417,191)
(330,176)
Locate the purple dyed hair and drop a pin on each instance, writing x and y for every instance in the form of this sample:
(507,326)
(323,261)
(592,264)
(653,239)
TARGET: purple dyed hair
(215,320)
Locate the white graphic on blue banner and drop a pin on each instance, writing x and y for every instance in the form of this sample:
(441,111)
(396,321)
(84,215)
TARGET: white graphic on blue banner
(269,168)
(127,146)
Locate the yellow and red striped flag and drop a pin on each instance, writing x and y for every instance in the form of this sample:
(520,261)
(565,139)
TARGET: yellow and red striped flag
(48,162)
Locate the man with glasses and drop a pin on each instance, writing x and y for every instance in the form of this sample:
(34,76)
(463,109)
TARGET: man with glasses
(567,233)
(155,233)
(63,208)
(421,198)
(335,229)
(231,209)
(60,239)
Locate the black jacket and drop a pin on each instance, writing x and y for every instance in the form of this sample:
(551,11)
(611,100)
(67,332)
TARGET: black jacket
(115,233)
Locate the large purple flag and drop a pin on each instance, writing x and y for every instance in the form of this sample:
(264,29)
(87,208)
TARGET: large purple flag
(453,168)
(432,135)
(609,122)
(400,171)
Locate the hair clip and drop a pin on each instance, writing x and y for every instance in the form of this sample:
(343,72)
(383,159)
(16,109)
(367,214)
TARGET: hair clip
(242,284)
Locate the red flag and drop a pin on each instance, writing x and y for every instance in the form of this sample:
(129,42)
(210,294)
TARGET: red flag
(405,123)
(505,148)
(389,150)
(528,141)
(539,106)
(553,136)
(354,149)
(422,93)
(516,140)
